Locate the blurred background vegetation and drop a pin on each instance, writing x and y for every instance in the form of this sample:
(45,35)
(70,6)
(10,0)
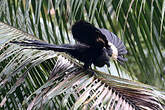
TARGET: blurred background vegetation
(140,25)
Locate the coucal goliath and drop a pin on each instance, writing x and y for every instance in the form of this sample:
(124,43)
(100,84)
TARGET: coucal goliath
(95,45)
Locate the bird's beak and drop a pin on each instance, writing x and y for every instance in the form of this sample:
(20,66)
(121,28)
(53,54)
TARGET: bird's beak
(108,64)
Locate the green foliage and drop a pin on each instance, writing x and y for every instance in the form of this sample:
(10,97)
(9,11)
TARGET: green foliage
(140,24)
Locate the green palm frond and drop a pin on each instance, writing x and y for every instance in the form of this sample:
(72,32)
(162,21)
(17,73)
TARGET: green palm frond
(25,74)
(139,23)
(87,89)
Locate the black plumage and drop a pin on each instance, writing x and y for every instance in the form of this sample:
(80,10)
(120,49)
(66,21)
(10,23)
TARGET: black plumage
(115,43)
(86,33)
(95,45)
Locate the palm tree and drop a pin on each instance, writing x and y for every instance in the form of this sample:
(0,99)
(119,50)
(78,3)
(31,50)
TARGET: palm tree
(35,79)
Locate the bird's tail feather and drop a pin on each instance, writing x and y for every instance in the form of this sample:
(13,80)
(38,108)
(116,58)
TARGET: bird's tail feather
(35,44)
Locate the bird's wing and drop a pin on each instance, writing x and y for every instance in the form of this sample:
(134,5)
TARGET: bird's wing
(88,34)
(117,48)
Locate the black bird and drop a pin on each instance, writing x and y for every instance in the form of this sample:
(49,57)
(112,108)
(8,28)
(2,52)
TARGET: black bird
(95,45)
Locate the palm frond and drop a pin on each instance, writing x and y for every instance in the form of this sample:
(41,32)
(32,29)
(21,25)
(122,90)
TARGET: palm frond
(140,24)
(85,89)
